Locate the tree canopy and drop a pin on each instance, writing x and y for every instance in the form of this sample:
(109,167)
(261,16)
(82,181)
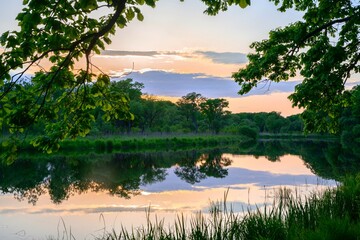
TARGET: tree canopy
(324,48)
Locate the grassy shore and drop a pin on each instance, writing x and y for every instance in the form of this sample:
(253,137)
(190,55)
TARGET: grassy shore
(146,143)
(332,214)
(296,136)
(163,142)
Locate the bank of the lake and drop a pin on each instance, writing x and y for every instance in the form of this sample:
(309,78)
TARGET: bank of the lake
(159,142)
(141,143)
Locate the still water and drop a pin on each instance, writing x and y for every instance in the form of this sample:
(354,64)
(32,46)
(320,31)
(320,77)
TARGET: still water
(84,194)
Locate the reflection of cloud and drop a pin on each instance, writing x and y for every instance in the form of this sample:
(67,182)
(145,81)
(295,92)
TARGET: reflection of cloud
(261,178)
(224,57)
(235,178)
(237,207)
(86,210)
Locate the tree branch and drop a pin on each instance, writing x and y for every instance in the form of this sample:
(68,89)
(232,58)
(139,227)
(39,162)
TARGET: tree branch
(325,26)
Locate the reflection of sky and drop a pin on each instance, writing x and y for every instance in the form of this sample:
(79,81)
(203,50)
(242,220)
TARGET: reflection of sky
(236,176)
(246,170)
(248,183)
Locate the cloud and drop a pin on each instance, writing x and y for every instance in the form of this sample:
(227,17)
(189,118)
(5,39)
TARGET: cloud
(216,57)
(167,83)
(127,71)
(129,53)
(224,57)
(172,84)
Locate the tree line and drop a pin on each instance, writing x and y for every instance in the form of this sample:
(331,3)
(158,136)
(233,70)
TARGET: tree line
(192,113)
(195,113)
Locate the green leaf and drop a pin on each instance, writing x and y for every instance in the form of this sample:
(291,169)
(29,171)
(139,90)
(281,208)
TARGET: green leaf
(140,17)
(243,3)
(88,4)
(4,37)
(5,143)
(121,22)
(130,14)
(150,3)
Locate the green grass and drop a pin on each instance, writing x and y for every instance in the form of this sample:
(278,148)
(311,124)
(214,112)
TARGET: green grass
(332,214)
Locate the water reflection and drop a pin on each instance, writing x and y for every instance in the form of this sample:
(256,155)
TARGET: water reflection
(118,174)
(209,164)
(124,174)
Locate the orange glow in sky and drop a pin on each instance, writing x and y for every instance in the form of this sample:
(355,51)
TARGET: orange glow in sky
(277,102)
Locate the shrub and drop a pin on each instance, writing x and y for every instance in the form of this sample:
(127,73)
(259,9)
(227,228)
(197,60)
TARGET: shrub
(248,132)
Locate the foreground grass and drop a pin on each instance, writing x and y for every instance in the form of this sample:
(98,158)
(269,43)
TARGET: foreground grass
(333,214)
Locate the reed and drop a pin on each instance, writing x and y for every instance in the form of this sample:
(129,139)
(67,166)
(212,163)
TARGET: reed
(331,214)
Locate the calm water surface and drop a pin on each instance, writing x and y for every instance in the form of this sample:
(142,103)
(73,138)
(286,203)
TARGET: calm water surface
(87,193)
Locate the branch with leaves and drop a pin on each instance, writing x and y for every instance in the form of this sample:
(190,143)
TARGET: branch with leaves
(323,48)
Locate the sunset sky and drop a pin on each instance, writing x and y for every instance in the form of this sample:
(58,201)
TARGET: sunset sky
(177,49)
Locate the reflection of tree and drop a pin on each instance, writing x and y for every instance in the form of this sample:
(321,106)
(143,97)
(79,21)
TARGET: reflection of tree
(213,164)
(62,177)
(190,174)
(193,170)
(188,170)
(328,159)
(273,150)
(62,180)
(120,175)
(123,174)
(22,178)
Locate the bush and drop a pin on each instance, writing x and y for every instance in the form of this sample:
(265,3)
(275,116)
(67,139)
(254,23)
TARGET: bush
(248,132)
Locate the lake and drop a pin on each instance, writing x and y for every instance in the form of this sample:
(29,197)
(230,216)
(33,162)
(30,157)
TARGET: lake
(83,194)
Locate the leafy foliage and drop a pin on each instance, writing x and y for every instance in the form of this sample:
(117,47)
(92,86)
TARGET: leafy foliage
(213,110)
(60,33)
(215,6)
(189,105)
(323,48)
